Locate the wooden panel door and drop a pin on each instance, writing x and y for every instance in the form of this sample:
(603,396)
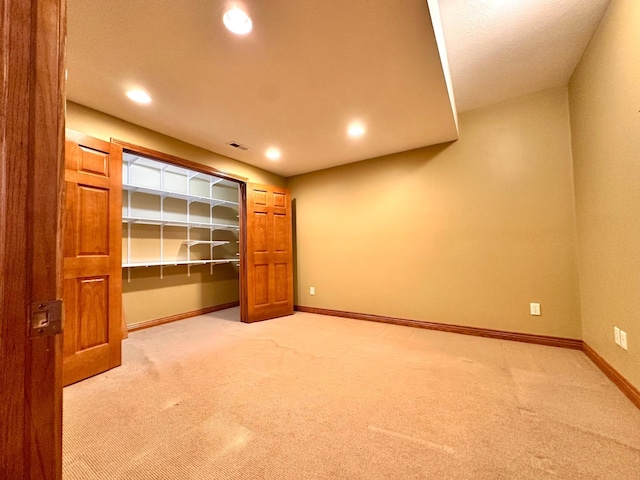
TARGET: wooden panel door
(32,38)
(269,255)
(92,257)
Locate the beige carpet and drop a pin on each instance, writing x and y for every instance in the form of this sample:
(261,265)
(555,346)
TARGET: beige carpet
(315,397)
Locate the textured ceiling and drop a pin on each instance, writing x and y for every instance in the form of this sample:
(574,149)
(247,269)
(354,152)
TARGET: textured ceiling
(501,49)
(310,67)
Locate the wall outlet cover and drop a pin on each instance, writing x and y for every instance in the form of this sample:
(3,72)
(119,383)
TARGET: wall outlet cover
(623,339)
(312,290)
(535,308)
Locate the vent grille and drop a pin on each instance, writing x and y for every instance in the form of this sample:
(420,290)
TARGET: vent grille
(237,145)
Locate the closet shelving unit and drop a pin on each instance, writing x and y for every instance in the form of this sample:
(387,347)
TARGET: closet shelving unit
(145,176)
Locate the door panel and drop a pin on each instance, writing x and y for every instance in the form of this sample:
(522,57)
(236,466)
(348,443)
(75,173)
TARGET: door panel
(91,161)
(281,227)
(93,312)
(280,277)
(93,227)
(261,285)
(269,257)
(92,258)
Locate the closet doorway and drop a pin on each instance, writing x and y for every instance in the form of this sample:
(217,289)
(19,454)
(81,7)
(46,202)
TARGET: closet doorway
(180,241)
(160,239)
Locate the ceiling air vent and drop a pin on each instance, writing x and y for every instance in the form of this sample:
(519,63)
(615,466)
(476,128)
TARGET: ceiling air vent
(237,145)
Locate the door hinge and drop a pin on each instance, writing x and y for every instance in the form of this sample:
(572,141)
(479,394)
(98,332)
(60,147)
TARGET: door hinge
(46,318)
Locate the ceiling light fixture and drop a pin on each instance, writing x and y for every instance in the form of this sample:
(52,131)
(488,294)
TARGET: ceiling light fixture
(139,96)
(356,129)
(237,21)
(272,154)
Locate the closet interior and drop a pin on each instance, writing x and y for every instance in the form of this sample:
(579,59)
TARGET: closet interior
(180,240)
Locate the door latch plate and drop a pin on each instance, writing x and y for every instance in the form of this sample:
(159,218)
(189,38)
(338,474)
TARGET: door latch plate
(46,318)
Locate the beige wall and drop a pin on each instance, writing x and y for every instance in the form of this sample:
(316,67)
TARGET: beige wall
(467,233)
(604,95)
(145,295)
(105,127)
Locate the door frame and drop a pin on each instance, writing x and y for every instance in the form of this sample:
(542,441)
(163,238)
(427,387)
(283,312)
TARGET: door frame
(127,147)
(33,36)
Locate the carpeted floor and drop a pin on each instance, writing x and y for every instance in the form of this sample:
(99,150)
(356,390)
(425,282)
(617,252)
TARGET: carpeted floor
(316,397)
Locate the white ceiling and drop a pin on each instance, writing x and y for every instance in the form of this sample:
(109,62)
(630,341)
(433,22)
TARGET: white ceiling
(310,67)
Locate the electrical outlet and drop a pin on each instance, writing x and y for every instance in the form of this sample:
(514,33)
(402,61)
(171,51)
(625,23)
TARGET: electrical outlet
(623,339)
(535,308)
(616,335)
(312,290)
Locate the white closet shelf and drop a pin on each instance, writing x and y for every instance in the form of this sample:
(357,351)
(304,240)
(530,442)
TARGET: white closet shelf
(165,181)
(175,263)
(214,202)
(177,223)
(205,176)
(213,243)
(149,163)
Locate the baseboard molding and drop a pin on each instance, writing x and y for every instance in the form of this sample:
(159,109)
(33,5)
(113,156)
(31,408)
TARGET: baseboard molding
(620,381)
(616,377)
(442,327)
(180,316)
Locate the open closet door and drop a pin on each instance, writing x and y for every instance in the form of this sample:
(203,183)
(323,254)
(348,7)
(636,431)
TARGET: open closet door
(92,266)
(269,257)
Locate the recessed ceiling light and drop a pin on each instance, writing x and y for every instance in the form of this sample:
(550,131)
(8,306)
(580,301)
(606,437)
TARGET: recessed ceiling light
(139,96)
(356,129)
(237,21)
(272,154)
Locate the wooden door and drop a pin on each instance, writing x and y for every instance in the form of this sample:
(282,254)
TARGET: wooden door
(32,37)
(269,256)
(92,257)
